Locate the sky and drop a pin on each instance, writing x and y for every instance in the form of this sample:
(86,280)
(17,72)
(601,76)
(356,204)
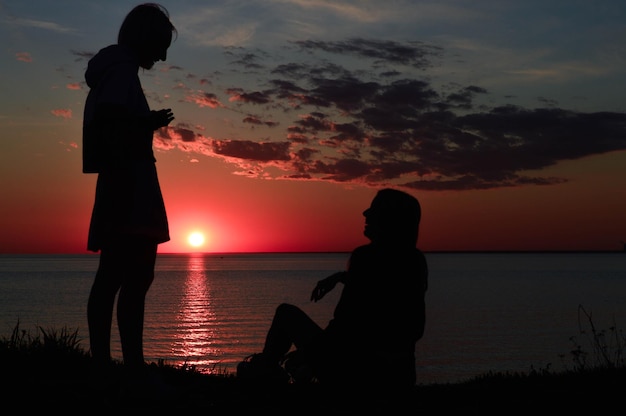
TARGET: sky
(506,119)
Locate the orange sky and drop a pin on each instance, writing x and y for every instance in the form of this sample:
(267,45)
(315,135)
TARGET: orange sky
(511,134)
(242,214)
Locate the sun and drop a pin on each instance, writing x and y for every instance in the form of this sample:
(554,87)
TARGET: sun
(195,239)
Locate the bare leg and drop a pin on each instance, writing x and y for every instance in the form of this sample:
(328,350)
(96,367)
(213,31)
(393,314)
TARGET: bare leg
(290,326)
(100,306)
(127,268)
(139,275)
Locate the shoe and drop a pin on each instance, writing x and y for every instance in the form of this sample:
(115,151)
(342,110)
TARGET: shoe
(298,368)
(257,367)
(103,383)
(147,384)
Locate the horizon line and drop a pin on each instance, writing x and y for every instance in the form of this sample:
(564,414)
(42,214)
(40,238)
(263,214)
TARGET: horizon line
(329,252)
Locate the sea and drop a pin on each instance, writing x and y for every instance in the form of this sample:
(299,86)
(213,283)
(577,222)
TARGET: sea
(512,312)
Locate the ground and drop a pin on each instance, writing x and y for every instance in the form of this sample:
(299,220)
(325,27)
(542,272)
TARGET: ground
(192,393)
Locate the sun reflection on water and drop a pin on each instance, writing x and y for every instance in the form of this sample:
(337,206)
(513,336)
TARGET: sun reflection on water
(197,323)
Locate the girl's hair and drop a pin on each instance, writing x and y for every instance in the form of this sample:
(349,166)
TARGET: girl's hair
(401,213)
(144,25)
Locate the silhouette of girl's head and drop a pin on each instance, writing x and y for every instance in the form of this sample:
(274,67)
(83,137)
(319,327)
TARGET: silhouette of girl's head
(393,218)
(147,30)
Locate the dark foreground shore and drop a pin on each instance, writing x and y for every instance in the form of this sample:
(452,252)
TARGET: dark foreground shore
(37,389)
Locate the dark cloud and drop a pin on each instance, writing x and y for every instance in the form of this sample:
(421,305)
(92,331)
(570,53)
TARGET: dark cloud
(80,55)
(374,119)
(256,120)
(416,54)
(244,58)
(186,135)
(249,150)
(256,97)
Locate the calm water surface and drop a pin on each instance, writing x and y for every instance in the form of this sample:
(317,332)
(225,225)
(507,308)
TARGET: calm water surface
(485,311)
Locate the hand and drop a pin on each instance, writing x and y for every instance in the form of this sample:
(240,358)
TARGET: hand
(326,285)
(161,118)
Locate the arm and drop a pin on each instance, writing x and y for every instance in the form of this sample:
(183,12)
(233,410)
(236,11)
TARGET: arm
(115,115)
(326,285)
(118,136)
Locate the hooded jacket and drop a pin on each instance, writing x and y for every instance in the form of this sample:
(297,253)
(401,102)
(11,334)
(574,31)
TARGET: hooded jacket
(116,119)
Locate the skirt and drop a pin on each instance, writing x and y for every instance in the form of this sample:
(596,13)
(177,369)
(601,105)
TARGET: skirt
(128,202)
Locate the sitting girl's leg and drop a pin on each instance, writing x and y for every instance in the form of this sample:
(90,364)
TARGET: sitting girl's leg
(290,327)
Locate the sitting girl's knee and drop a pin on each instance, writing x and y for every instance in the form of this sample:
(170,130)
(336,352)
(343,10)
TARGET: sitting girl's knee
(285,308)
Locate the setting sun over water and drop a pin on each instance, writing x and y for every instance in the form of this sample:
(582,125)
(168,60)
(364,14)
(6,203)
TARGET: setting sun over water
(196,239)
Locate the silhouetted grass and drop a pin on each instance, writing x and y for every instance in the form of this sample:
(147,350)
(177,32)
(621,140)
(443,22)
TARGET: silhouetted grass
(47,351)
(51,366)
(597,349)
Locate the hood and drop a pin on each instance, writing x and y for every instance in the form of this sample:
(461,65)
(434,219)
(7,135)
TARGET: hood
(107,58)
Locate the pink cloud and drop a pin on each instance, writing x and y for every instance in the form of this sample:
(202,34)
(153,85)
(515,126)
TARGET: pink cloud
(73,86)
(23,56)
(62,112)
(204,99)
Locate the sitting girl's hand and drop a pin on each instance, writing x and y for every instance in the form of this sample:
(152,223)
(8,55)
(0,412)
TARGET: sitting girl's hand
(326,285)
